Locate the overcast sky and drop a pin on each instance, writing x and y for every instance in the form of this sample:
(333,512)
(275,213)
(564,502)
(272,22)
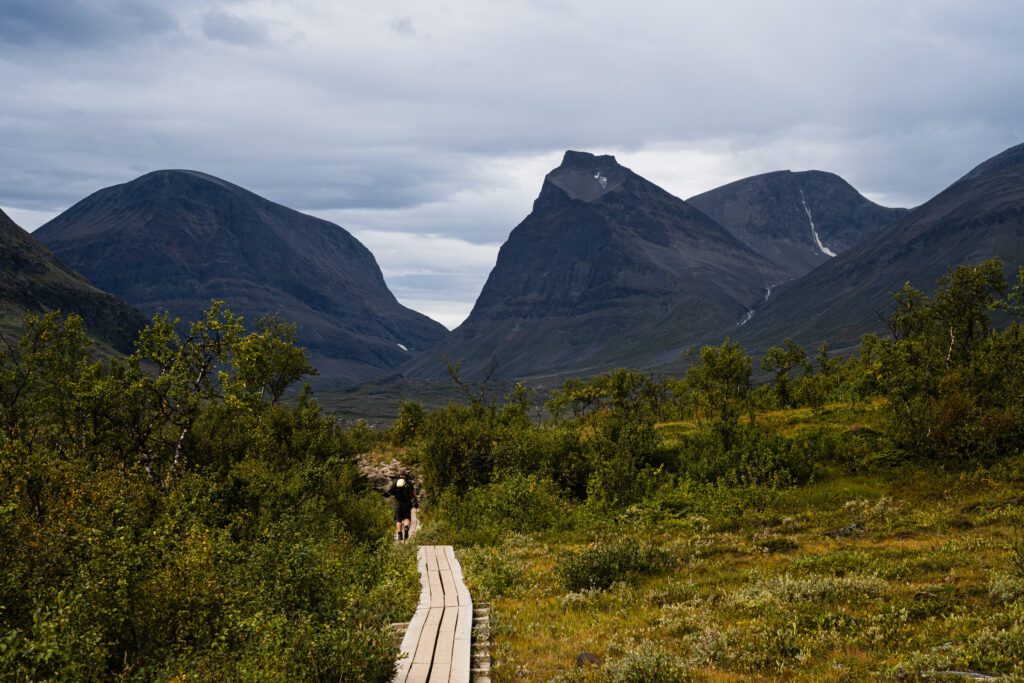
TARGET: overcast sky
(425,128)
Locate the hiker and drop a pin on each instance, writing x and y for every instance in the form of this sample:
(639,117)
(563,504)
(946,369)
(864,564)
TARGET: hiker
(405,500)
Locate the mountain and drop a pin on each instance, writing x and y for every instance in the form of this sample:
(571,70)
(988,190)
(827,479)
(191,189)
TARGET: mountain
(173,240)
(981,216)
(33,279)
(607,269)
(800,220)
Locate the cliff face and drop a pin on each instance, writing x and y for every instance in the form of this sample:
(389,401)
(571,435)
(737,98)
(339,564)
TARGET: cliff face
(174,240)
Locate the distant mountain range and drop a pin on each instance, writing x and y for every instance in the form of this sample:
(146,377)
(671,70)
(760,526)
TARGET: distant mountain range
(33,279)
(609,269)
(174,240)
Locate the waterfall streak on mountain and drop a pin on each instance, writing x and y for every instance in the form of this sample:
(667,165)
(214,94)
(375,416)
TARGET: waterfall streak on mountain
(814,233)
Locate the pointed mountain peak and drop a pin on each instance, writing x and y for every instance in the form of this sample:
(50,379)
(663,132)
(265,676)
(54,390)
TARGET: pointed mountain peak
(587,177)
(1010,157)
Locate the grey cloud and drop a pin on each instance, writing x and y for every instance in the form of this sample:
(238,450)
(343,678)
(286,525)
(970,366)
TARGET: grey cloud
(79,23)
(399,135)
(233,29)
(402,26)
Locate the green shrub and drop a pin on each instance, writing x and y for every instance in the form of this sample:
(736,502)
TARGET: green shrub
(410,423)
(1005,588)
(647,663)
(600,564)
(513,503)
(489,572)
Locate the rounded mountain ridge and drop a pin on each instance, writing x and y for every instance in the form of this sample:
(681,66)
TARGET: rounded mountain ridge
(172,240)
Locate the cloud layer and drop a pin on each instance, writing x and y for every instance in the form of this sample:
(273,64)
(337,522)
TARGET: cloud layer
(421,124)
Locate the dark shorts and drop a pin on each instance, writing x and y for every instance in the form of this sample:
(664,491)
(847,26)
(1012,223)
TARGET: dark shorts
(403,511)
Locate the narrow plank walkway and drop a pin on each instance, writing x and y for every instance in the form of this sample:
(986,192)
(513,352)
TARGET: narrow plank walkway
(438,641)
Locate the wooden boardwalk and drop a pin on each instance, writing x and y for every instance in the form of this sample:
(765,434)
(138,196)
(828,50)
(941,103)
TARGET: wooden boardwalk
(438,641)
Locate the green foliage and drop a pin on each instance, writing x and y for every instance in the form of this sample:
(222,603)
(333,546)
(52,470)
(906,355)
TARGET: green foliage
(599,564)
(513,503)
(410,423)
(647,662)
(165,515)
(783,361)
(719,383)
(490,572)
(951,382)
(750,453)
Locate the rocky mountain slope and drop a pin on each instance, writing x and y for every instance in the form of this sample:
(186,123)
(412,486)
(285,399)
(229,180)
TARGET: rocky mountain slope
(174,240)
(799,220)
(607,269)
(33,279)
(981,216)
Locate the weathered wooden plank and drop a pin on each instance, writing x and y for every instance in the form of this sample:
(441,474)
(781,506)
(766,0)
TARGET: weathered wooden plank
(460,581)
(421,565)
(451,593)
(441,557)
(438,641)
(436,589)
(412,634)
(462,645)
(409,642)
(428,637)
(432,551)
(449,621)
(419,673)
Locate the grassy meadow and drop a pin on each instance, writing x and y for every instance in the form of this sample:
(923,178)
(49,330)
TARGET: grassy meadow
(863,572)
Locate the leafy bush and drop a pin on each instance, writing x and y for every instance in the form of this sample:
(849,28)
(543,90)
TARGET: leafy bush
(513,503)
(598,565)
(647,662)
(1005,588)
(788,589)
(410,423)
(754,453)
(490,572)
(155,525)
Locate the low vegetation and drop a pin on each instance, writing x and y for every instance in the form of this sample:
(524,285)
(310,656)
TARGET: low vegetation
(854,519)
(165,517)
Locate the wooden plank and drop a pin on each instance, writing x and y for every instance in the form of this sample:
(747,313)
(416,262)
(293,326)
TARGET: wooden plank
(412,634)
(462,645)
(436,589)
(419,673)
(442,557)
(442,667)
(428,637)
(444,646)
(449,620)
(431,555)
(438,640)
(451,593)
(461,589)
(409,642)
(421,565)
